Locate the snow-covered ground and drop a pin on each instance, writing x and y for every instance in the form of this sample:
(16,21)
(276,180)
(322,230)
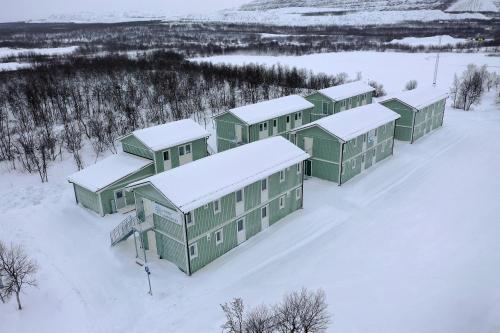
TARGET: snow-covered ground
(429,41)
(409,246)
(473,6)
(7,51)
(294,16)
(12,66)
(393,69)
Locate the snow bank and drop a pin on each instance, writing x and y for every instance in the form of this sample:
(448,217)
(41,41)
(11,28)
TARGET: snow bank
(429,41)
(473,6)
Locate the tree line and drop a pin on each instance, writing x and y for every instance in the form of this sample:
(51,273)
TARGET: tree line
(67,102)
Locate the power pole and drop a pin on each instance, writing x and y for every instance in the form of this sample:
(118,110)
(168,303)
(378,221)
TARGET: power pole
(437,64)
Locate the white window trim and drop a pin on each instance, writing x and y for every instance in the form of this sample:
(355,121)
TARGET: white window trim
(282,172)
(217,242)
(298,193)
(190,149)
(195,255)
(299,167)
(261,181)
(168,152)
(262,209)
(190,224)
(242,196)
(281,202)
(354,163)
(216,211)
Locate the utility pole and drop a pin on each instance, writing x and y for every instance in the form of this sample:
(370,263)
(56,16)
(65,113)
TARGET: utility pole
(437,64)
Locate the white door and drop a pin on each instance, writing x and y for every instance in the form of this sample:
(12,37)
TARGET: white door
(363,162)
(275,126)
(240,202)
(264,217)
(152,242)
(148,207)
(308,145)
(238,129)
(298,119)
(288,123)
(240,231)
(185,154)
(264,190)
(120,199)
(167,160)
(263,131)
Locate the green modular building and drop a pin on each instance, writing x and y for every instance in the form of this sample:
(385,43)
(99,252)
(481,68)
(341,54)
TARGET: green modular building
(194,214)
(345,144)
(339,98)
(421,110)
(261,120)
(101,187)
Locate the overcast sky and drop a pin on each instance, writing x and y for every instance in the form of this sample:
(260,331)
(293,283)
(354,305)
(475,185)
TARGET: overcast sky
(15,10)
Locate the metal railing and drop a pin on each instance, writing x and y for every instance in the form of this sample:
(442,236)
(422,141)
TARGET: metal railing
(123,230)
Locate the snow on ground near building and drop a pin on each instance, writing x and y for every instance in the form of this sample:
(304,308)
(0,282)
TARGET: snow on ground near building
(12,66)
(429,41)
(8,51)
(294,16)
(392,69)
(473,6)
(409,246)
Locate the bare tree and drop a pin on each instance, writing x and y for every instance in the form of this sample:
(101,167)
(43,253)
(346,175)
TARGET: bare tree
(234,312)
(379,88)
(410,85)
(18,270)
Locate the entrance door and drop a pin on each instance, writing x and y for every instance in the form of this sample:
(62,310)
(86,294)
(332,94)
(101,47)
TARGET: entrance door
(308,170)
(120,199)
(288,123)
(275,126)
(167,160)
(298,119)
(363,161)
(240,202)
(264,217)
(240,231)
(238,129)
(263,190)
(308,145)
(185,154)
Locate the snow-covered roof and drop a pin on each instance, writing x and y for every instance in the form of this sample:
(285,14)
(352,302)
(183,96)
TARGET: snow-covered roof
(202,181)
(255,113)
(419,98)
(352,123)
(108,171)
(170,134)
(347,90)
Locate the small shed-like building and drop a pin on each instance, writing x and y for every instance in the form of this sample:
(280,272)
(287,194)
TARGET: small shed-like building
(339,98)
(421,110)
(201,210)
(258,121)
(100,187)
(342,145)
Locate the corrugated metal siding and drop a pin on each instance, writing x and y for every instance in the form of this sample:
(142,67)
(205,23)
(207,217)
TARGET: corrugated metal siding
(171,250)
(87,198)
(198,149)
(172,229)
(226,133)
(132,145)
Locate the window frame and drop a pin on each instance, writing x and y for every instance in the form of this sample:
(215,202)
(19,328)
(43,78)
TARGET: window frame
(282,179)
(182,151)
(188,147)
(281,202)
(262,209)
(236,196)
(219,208)
(190,220)
(221,233)
(298,193)
(263,188)
(167,152)
(299,167)
(195,254)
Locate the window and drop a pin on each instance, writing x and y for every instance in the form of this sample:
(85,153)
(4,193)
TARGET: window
(282,176)
(217,207)
(298,115)
(166,155)
(376,131)
(343,168)
(181,150)
(355,143)
(282,202)
(299,167)
(263,212)
(325,107)
(297,193)
(263,184)
(189,219)
(188,149)
(263,127)
(219,237)
(275,122)
(239,196)
(287,119)
(240,225)
(205,206)
(193,250)
(354,163)
(119,194)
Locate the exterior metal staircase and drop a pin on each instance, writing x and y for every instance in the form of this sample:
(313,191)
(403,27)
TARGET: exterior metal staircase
(125,229)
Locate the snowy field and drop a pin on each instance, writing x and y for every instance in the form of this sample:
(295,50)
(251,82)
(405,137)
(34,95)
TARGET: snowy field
(392,69)
(429,41)
(473,6)
(294,16)
(412,245)
(7,51)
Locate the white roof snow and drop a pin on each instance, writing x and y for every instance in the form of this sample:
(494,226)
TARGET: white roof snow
(109,170)
(352,123)
(419,98)
(170,134)
(347,90)
(255,113)
(202,181)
